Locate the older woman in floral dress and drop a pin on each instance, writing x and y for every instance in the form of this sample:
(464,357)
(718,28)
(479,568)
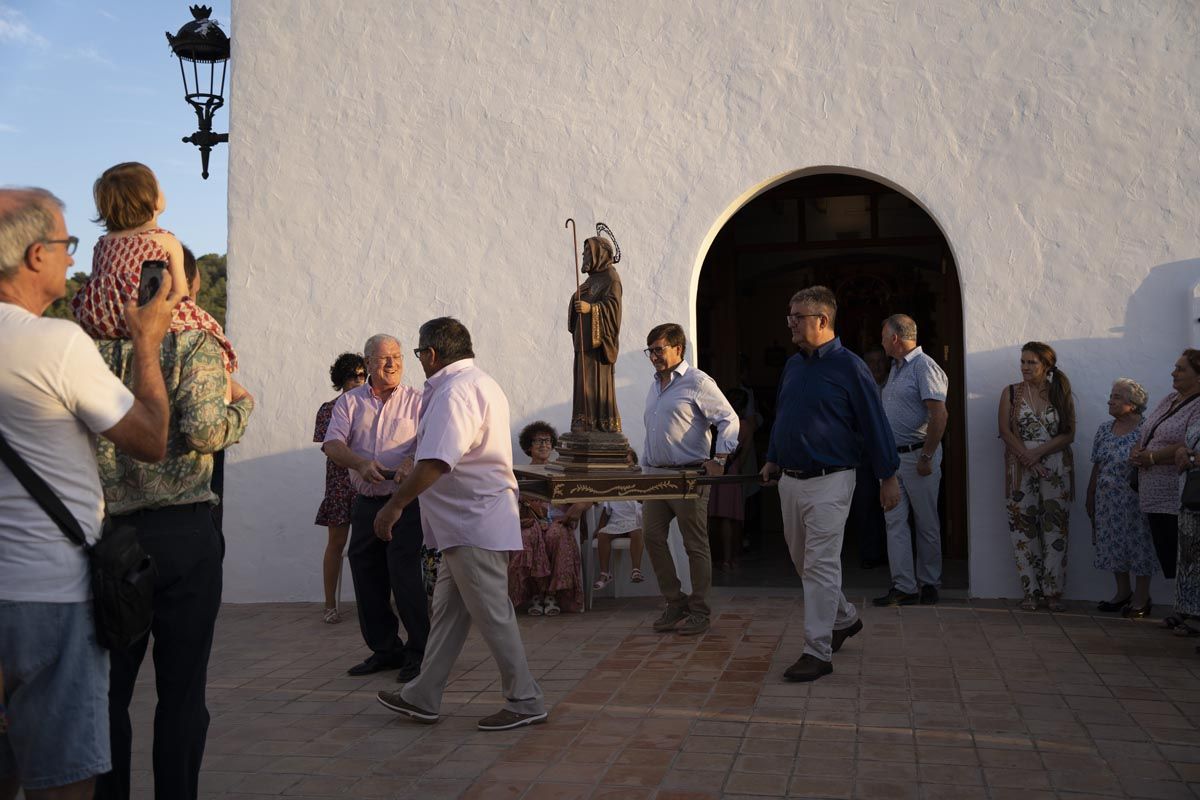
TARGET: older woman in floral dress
(545,577)
(1187,575)
(1120,532)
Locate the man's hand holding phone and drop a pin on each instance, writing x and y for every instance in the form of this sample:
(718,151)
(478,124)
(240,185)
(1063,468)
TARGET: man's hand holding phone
(150,322)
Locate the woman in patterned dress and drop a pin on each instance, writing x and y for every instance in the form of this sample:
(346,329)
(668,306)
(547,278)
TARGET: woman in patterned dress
(545,576)
(1158,477)
(1120,532)
(349,371)
(128,203)
(1187,576)
(1037,425)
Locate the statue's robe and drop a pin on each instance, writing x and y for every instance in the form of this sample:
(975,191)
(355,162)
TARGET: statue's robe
(595,396)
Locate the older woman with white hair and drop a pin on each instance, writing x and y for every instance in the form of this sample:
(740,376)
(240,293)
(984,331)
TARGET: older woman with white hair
(1120,531)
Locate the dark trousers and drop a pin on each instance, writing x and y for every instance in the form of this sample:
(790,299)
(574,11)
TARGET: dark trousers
(866,518)
(187,551)
(1164,530)
(381,570)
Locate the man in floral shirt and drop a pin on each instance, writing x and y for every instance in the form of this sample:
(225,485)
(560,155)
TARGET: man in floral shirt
(170,504)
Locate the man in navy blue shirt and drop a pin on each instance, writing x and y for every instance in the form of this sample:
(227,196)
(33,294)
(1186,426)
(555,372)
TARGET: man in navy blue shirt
(829,419)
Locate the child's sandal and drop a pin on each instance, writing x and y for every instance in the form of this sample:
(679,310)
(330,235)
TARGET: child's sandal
(535,607)
(604,580)
(636,576)
(551,609)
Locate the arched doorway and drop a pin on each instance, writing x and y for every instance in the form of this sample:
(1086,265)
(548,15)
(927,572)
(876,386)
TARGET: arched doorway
(881,253)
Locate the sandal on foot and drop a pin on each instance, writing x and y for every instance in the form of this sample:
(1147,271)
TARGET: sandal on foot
(1173,621)
(604,580)
(551,608)
(332,617)
(535,607)
(1029,603)
(1186,630)
(1056,605)
(636,576)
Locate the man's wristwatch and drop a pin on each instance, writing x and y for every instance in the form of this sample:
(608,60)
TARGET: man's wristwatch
(719,459)
(925,457)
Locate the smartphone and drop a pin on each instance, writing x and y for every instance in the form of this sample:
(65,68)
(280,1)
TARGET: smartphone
(150,280)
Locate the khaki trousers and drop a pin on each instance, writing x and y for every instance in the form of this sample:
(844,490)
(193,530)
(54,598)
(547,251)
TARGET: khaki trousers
(814,521)
(692,515)
(472,586)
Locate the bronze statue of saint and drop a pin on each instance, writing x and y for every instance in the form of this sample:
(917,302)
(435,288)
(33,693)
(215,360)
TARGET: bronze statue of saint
(594,320)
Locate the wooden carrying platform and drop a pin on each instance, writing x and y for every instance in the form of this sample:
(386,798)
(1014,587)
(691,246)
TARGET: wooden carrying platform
(648,483)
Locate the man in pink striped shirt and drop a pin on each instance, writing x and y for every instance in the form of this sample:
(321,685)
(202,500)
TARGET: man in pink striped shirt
(373,433)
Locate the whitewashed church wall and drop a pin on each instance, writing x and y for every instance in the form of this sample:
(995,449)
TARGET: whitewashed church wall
(395,161)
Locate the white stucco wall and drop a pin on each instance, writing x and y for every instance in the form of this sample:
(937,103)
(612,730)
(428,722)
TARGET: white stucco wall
(394,161)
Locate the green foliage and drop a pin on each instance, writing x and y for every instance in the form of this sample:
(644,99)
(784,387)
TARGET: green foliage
(212,285)
(61,308)
(212,289)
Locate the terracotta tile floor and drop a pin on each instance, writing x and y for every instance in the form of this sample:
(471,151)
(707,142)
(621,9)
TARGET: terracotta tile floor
(958,701)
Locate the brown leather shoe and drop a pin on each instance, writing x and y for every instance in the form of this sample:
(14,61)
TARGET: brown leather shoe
(808,668)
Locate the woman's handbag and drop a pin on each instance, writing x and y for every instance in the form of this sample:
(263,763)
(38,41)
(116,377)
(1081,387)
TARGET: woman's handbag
(122,574)
(1190,497)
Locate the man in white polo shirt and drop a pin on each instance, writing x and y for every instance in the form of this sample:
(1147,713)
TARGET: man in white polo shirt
(56,394)
(464,475)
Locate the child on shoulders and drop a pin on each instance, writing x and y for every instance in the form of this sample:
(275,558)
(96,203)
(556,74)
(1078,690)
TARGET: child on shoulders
(128,203)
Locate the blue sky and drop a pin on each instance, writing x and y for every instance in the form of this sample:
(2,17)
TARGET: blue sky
(86,84)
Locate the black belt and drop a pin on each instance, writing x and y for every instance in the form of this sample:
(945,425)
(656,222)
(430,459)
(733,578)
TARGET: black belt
(908,448)
(696,465)
(804,474)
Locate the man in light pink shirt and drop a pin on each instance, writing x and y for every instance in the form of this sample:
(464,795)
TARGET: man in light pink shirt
(373,433)
(469,511)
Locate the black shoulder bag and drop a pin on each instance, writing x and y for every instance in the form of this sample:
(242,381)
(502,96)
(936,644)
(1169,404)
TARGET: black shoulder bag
(122,574)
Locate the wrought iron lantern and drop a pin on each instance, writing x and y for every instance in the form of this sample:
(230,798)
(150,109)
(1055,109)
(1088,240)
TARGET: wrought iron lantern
(203,52)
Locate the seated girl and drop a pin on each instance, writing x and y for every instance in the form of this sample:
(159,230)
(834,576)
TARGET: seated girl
(618,519)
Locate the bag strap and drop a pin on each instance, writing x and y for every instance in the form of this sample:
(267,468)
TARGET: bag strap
(43,494)
(1150,435)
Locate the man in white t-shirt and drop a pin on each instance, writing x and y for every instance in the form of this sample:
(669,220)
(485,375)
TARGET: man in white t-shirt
(56,395)
(464,476)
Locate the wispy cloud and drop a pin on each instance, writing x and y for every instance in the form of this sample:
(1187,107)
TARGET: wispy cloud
(106,13)
(6,128)
(93,56)
(14,28)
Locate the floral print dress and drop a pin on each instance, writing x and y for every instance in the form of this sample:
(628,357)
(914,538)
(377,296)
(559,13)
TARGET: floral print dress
(1123,542)
(1187,571)
(1039,507)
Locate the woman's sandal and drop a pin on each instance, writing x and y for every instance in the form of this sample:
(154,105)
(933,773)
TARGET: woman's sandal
(535,607)
(1029,603)
(636,576)
(551,609)
(1185,630)
(1172,621)
(1056,605)
(604,580)
(332,617)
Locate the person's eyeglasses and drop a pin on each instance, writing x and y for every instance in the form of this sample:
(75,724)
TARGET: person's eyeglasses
(417,351)
(655,352)
(798,317)
(546,440)
(72,242)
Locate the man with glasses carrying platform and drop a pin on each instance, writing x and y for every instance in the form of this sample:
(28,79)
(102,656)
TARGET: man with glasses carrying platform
(681,407)
(828,419)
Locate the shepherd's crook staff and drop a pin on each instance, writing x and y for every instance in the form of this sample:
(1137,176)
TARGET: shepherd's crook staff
(583,387)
